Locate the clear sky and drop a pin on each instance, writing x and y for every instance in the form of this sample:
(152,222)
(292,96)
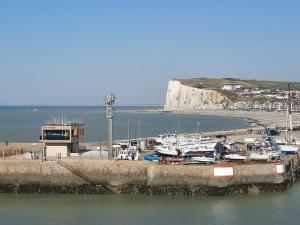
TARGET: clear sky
(73,52)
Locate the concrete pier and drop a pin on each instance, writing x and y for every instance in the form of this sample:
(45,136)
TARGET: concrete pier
(94,176)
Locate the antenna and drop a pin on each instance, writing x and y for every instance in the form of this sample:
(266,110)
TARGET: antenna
(110,100)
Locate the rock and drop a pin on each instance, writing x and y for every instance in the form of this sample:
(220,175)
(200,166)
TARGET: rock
(182,97)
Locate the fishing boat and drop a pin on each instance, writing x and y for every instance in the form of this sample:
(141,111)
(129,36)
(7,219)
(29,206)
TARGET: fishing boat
(127,150)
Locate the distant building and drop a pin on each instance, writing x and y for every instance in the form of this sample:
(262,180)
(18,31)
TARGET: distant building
(61,138)
(231,87)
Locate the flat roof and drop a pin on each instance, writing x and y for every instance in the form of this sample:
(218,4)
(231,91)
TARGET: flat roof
(64,123)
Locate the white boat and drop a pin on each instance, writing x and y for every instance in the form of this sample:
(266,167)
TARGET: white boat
(257,157)
(203,159)
(196,150)
(288,149)
(127,155)
(127,150)
(235,157)
(166,150)
(166,138)
(265,156)
(249,140)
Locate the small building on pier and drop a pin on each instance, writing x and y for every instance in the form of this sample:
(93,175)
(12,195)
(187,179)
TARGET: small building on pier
(60,138)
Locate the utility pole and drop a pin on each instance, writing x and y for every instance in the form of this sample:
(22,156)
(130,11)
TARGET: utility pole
(100,148)
(128,129)
(139,128)
(110,100)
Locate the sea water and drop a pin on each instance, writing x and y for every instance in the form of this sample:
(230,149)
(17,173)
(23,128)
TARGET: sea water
(23,123)
(49,209)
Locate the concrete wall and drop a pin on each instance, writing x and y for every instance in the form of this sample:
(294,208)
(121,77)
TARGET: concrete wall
(136,177)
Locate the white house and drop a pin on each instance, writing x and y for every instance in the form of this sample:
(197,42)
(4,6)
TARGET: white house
(231,87)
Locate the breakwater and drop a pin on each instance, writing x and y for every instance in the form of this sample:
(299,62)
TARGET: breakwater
(104,176)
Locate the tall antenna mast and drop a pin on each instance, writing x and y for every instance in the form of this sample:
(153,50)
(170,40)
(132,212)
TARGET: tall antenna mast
(110,100)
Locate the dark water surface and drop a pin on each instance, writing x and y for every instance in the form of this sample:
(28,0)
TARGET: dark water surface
(46,209)
(22,124)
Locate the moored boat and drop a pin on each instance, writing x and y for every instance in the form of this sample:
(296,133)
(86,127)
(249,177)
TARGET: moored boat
(203,159)
(235,157)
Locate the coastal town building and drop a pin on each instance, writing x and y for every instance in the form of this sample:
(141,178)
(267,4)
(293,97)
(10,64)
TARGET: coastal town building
(264,106)
(60,138)
(231,87)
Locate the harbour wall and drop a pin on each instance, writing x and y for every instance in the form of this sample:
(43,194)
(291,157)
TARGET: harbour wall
(104,176)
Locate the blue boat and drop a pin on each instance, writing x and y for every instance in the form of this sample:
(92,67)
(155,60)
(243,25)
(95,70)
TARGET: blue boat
(151,157)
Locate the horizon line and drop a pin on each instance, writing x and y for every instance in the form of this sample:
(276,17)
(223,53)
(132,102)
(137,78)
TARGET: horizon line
(72,105)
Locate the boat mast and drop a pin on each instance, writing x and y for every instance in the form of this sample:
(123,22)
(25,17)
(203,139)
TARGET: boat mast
(289,122)
(198,124)
(128,131)
(139,128)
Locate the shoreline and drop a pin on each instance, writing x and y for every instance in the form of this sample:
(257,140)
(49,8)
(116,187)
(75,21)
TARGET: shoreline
(261,118)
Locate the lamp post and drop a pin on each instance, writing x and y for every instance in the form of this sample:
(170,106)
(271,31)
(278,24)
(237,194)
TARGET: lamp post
(110,100)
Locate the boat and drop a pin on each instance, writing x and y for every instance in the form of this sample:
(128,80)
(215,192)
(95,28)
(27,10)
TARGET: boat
(264,156)
(127,150)
(288,149)
(235,157)
(203,159)
(166,150)
(166,138)
(259,157)
(172,160)
(151,157)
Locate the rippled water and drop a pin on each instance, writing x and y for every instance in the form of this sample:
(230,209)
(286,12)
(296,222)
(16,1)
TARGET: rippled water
(45,209)
(22,124)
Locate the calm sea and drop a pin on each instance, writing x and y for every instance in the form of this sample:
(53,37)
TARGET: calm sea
(22,124)
(46,209)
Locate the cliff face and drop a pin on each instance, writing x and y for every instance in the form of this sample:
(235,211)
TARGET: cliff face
(182,97)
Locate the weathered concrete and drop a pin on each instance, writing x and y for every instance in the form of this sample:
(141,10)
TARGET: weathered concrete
(138,177)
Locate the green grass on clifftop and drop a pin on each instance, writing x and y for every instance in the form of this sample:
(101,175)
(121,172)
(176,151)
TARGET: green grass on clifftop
(217,84)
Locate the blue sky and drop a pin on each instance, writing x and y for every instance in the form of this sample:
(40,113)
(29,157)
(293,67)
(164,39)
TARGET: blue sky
(73,52)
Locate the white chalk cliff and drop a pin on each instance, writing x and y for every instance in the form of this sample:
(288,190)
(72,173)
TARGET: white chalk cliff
(182,97)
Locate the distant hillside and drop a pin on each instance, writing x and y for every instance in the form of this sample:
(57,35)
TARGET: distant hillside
(217,84)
